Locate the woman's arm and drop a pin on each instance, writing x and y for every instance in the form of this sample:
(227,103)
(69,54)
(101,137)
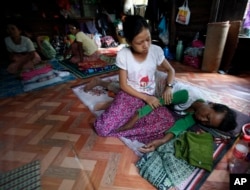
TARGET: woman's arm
(179,126)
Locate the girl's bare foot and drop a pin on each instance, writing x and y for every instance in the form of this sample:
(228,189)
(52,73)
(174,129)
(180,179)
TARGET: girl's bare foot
(96,81)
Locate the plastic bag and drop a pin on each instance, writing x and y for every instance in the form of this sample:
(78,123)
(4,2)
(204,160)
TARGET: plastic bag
(192,61)
(97,40)
(163,31)
(183,15)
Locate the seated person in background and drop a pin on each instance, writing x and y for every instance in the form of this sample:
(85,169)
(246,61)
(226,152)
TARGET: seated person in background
(22,53)
(83,48)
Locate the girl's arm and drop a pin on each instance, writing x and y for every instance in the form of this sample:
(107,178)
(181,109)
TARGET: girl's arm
(167,94)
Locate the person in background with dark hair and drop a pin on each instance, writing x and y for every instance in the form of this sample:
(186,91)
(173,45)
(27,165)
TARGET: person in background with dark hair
(83,48)
(22,53)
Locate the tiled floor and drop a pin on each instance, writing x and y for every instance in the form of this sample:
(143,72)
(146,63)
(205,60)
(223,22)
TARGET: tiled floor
(53,126)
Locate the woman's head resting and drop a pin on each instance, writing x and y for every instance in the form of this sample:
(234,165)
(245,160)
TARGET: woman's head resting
(216,115)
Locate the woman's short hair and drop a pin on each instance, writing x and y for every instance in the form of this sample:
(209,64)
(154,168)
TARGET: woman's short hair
(229,122)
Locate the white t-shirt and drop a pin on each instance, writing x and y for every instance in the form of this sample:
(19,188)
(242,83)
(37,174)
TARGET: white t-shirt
(194,94)
(26,45)
(141,75)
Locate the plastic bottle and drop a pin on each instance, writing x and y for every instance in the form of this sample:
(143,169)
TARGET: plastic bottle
(238,162)
(179,51)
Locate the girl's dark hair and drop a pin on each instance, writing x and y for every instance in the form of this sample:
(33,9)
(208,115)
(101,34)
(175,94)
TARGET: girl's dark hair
(229,122)
(133,25)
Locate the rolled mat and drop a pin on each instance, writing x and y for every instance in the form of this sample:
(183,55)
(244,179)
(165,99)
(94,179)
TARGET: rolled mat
(231,45)
(214,45)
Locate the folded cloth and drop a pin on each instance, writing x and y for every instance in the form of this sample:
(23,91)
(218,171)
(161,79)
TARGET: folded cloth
(91,64)
(41,77)
(196,149)
(62,73)
(38,70)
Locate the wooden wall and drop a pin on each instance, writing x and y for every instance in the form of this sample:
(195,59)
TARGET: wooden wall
(200,15)
(202,12)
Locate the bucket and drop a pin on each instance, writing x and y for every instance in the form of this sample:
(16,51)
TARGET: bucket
(214,45)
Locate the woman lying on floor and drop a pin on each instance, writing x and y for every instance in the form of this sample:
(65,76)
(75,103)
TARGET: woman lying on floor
(150,127)
(161,166)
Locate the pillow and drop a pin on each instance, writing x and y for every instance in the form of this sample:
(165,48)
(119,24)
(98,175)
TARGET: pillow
(39,69)
(241,119)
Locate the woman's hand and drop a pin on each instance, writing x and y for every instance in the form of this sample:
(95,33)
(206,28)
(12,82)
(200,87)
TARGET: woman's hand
(156,143)
(150,147)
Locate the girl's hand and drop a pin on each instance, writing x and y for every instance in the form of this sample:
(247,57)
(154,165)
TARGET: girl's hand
(153,102)
(167,95)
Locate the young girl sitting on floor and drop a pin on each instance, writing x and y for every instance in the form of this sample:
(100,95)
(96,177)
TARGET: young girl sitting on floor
(83,47)
(137,65)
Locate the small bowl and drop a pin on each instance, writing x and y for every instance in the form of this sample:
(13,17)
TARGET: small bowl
(246,131)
